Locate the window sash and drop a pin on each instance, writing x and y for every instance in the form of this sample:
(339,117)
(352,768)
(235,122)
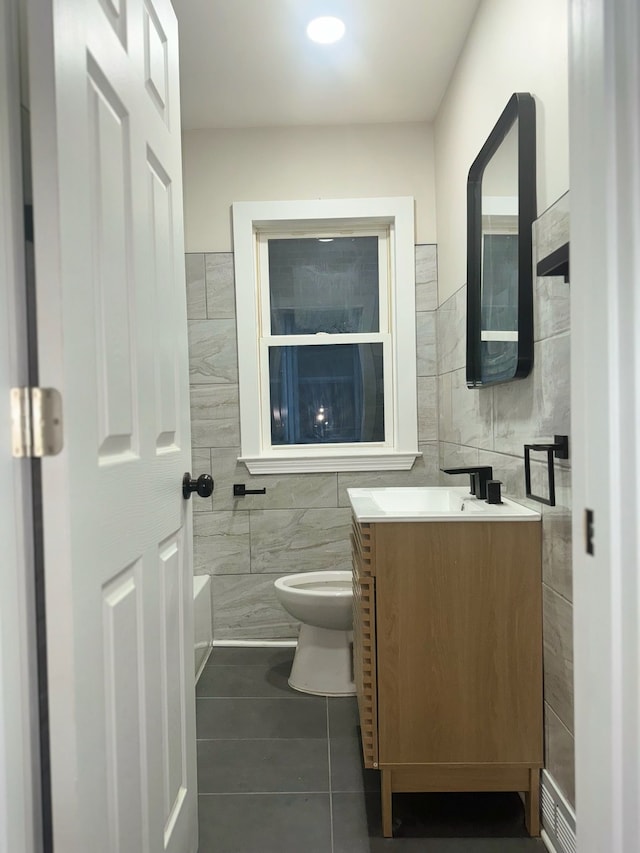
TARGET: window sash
(262,254)
(322,339)
(267,340)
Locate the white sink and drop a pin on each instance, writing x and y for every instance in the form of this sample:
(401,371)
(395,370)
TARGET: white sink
(433,503)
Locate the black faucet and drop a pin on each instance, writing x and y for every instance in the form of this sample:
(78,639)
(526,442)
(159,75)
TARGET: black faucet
(478,476)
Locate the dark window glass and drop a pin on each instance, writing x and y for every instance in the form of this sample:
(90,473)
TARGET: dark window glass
(326,394)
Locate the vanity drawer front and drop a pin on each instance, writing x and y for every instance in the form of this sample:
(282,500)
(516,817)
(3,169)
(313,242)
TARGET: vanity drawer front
(364,653)
(362,544)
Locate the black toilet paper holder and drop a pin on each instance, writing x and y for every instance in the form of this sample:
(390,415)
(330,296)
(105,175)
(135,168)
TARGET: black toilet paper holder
(240,490)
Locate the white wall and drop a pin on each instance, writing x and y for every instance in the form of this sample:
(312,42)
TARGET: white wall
(513,45)
(275,164)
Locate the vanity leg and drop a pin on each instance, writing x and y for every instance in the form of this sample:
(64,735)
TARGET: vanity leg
(387,831)
(532,803)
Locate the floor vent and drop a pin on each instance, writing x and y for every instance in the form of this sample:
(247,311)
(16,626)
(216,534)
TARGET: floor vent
(558,818)
(548,808)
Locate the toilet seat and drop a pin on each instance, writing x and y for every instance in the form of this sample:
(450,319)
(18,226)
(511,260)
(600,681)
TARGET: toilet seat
(318,583)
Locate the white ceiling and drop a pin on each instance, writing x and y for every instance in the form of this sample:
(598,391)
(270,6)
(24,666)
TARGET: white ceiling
(248,63)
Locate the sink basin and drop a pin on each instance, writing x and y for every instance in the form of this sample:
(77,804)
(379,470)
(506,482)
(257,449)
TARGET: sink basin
(433,503)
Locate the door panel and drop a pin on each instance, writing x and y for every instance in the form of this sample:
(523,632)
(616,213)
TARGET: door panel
(161,227)
(115,11)
(111,193)
(124,693)
(155,60)
(173,674)
(112,339)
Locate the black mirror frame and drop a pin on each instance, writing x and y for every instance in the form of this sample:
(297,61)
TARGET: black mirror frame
(520,107)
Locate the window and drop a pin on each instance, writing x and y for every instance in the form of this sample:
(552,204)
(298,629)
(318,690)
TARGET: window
(325,294)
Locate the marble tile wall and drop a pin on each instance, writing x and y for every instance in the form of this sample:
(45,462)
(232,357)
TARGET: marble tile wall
(490,427)
(303,522)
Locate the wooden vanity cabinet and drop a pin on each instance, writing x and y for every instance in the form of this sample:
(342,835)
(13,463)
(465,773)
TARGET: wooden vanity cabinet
(448,657)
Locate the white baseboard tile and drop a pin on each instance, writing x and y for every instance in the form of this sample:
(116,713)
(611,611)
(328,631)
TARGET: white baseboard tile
(558,818)
(256,644)
(204,661)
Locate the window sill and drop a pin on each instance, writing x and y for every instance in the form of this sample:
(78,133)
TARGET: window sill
(310,463)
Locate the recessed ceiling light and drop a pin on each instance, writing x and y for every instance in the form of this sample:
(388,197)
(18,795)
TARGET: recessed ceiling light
(325,30)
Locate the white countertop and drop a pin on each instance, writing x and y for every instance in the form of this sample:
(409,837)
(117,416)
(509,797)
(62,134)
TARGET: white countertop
(432,503)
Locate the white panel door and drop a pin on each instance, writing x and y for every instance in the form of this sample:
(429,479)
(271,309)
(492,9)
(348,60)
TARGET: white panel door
(112,338)
(604,92)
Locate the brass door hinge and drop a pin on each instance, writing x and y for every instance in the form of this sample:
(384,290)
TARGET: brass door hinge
(36,422)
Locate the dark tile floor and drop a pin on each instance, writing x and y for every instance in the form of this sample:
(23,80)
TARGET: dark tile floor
(281,772)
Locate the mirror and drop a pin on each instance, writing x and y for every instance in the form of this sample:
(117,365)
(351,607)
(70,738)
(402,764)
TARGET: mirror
(501,208)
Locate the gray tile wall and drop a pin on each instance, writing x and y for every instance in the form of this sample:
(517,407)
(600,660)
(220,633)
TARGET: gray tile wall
(303,521)
(490,427)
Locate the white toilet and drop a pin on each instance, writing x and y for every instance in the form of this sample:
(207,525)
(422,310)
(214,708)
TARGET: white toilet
(322,601)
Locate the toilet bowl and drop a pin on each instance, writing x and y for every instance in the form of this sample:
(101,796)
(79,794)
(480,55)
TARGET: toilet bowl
(322,601)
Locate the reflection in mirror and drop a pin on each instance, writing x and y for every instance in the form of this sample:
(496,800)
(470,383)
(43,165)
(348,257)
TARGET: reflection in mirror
(501,200)
(499,267)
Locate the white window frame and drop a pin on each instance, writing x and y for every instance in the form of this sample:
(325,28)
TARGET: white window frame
(397,332)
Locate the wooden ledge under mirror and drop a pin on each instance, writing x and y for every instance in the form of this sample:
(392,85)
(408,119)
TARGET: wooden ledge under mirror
(501,208)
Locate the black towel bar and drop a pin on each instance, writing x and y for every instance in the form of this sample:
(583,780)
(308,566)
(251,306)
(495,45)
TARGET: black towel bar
(559,449)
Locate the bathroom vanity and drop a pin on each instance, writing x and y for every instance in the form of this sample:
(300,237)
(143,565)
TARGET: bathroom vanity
(448,643)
